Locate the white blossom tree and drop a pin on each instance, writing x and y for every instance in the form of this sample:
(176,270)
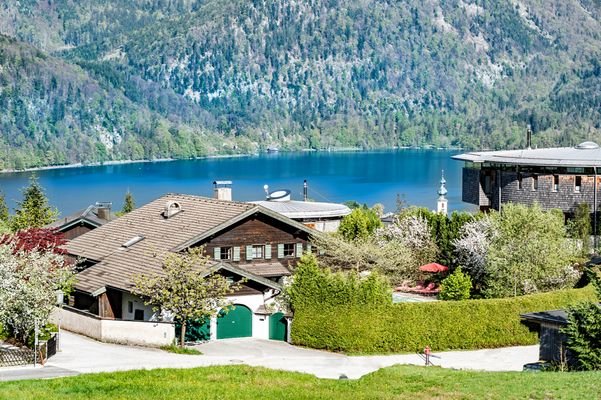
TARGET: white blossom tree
(28,284)
(471,249)
(412,232)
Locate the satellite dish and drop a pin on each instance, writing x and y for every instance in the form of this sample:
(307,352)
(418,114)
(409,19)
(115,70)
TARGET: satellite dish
(280,195)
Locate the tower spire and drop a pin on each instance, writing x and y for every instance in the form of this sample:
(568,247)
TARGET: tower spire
(442,206)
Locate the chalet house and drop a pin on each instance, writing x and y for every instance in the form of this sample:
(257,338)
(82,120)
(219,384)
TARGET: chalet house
(244,241)
(83,221)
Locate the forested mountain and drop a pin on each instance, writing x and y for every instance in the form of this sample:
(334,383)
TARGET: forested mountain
(179,77)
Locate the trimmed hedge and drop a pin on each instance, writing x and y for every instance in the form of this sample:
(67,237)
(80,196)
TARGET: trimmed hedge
(409,327)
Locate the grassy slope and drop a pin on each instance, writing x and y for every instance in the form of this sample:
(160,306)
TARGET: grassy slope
(241,382)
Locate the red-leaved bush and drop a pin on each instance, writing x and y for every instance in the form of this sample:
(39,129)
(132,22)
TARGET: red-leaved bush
(40,239)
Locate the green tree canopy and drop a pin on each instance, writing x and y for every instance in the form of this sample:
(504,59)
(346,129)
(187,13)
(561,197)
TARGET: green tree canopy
(33,211)
(529,252)
(580,227)
(359,224)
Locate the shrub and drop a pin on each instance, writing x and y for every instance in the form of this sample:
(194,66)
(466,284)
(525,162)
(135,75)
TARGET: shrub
(359,224)
(366,327)
(584,331)
(456,286)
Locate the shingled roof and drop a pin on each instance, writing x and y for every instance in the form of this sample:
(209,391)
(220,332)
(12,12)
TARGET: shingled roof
(151,236)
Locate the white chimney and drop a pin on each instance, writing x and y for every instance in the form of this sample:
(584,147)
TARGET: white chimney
(222,190)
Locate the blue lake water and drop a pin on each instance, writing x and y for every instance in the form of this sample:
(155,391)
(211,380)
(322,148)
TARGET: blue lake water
(367,177)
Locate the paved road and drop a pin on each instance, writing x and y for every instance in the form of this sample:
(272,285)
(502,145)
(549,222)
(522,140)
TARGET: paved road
(82,355)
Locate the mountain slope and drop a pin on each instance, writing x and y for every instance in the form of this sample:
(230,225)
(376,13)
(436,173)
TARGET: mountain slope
(321,73)
(54,113)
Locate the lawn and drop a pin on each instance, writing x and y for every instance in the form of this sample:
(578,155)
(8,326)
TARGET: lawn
(242,382)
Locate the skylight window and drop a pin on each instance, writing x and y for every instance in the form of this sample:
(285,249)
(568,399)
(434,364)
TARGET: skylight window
(132,241)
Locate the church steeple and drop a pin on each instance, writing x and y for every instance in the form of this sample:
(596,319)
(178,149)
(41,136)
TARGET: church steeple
(442,206)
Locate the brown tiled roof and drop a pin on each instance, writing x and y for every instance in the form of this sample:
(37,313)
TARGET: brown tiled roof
(117,263)
(200,217)
(266,269)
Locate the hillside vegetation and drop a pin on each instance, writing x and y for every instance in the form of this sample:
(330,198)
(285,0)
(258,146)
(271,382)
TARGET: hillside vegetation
(179,77)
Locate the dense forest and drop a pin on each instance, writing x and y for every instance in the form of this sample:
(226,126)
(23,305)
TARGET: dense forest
(89,81)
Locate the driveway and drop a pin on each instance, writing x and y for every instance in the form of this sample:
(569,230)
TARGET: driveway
(83,355)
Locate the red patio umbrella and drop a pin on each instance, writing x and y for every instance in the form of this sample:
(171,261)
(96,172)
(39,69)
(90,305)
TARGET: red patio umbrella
(433,268)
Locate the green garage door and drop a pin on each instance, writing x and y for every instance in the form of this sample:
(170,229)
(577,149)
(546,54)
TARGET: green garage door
(277,326)
(236,323)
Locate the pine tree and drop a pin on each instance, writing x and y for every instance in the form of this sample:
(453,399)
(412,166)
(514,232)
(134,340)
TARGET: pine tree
(128,204)
(3,209)
(34,211)
(4,216)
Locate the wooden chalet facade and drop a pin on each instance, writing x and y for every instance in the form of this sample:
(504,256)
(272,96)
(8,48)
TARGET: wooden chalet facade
(244,241)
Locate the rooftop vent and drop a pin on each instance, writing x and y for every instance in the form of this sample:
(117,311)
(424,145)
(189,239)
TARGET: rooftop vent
(132,241)
(587,146)
(171,208)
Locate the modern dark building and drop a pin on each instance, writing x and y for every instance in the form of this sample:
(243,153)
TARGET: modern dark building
(560,178)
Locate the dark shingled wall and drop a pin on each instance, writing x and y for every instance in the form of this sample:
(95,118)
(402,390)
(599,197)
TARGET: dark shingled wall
(565,198)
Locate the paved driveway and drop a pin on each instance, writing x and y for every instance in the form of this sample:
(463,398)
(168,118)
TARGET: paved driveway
(81,355)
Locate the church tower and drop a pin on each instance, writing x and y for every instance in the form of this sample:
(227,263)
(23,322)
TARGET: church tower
(442,206)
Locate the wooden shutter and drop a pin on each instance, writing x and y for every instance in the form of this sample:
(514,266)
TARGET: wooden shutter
(268,252)
(249,253)
(236,255)
(280,250)
(217,253)
(299,250)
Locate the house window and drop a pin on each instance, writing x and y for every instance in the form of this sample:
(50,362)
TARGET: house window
(130,307)
(289,249)
(258,251)
(577,184)
(225,253)
(535,182)
(555,183)
(139,315)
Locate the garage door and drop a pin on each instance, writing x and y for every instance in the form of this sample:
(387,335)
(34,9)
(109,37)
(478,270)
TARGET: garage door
(277,326)
(235,323)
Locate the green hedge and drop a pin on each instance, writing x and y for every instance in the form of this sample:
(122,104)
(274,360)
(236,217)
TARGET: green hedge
(409,327)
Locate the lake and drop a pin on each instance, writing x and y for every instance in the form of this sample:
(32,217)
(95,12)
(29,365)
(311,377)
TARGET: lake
(367,177)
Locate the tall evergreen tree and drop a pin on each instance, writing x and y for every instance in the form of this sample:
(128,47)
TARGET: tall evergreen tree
(34,211)
(4,216)
(3,209)
(129,203)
